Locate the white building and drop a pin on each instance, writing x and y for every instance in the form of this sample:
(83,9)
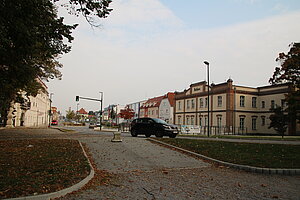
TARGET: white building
(166,108)
(136,108)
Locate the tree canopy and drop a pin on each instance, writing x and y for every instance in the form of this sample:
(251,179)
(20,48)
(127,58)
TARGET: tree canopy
(279,120)
(127,113)
(289,72)
(32,38)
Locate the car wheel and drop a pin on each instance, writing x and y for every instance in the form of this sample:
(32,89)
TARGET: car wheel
(147,135)
(172,135)
(133,133)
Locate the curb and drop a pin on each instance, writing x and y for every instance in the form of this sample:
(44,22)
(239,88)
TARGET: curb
(62,129)
(247,168)
(65,191)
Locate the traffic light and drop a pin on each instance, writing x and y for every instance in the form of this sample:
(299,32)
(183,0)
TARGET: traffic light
(77,98)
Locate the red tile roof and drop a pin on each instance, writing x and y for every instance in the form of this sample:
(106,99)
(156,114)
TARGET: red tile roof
(171,97)
(82,111)
(154,102)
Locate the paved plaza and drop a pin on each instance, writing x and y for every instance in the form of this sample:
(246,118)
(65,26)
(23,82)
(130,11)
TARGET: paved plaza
(144,170)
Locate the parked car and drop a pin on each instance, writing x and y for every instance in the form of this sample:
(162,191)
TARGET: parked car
(92,125)
(54,122)
(152,126)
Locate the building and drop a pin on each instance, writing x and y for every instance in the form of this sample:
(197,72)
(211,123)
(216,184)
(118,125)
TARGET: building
(55,113)
(111,113)
(166,107)
(82,114)
(151,107)
(34,113)
(136,108)
(233,109)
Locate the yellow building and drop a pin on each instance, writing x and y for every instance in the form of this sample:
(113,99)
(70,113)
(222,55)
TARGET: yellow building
(35,114)
(233,109)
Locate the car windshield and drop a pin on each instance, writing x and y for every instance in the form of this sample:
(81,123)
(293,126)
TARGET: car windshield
(159,121)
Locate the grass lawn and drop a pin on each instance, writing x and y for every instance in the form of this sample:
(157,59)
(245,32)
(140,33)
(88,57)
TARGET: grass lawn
(31,167)
(285,138)
(258,155)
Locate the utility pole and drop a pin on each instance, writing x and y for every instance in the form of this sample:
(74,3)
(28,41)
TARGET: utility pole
(101,102)
(91,99)
(50,110)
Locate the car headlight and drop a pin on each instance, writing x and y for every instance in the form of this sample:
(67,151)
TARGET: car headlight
(166,127)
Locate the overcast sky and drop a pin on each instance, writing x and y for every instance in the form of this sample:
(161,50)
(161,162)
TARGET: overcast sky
(147,48)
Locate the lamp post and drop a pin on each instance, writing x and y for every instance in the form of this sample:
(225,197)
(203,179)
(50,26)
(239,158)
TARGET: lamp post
(101,102)
(50,110)
(207,65)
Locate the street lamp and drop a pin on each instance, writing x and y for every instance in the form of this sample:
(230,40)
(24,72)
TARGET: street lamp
(101,101)
(50,110)
(207,65)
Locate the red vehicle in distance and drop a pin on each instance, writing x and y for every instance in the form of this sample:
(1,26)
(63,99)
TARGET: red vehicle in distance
(54,122)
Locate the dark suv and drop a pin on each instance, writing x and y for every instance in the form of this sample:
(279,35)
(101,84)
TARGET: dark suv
(152,126)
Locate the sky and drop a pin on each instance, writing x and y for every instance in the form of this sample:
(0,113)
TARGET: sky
(146,48)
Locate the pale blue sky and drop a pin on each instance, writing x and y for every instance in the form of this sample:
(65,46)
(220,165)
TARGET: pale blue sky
(203,14)
(147,48)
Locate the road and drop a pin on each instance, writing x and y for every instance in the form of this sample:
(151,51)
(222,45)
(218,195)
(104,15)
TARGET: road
(142,170)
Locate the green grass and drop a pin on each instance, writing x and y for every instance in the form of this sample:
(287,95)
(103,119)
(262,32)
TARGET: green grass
(285,138)
(258,155)
(29,167)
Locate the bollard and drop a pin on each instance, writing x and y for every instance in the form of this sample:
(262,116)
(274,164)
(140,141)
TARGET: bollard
(117,137)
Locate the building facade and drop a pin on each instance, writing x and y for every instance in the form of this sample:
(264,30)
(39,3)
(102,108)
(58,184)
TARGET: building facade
(151,107)
(136,108)
(33,114)
(233,109)
(166,107)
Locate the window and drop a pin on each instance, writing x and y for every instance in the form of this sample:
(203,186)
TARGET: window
(200,120)
(283,103)
(242,101)
(254,123)
(187,120)
(219,121)
(263,120)
(272,104)
(179,120)
(254,99)
(179,105)
(263,104)
(206,102)
(156,112)
(188,104)
(167,111)
(193,103)
(219,101)
(201,102)
(205,121)
(192,120)
(242,123)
